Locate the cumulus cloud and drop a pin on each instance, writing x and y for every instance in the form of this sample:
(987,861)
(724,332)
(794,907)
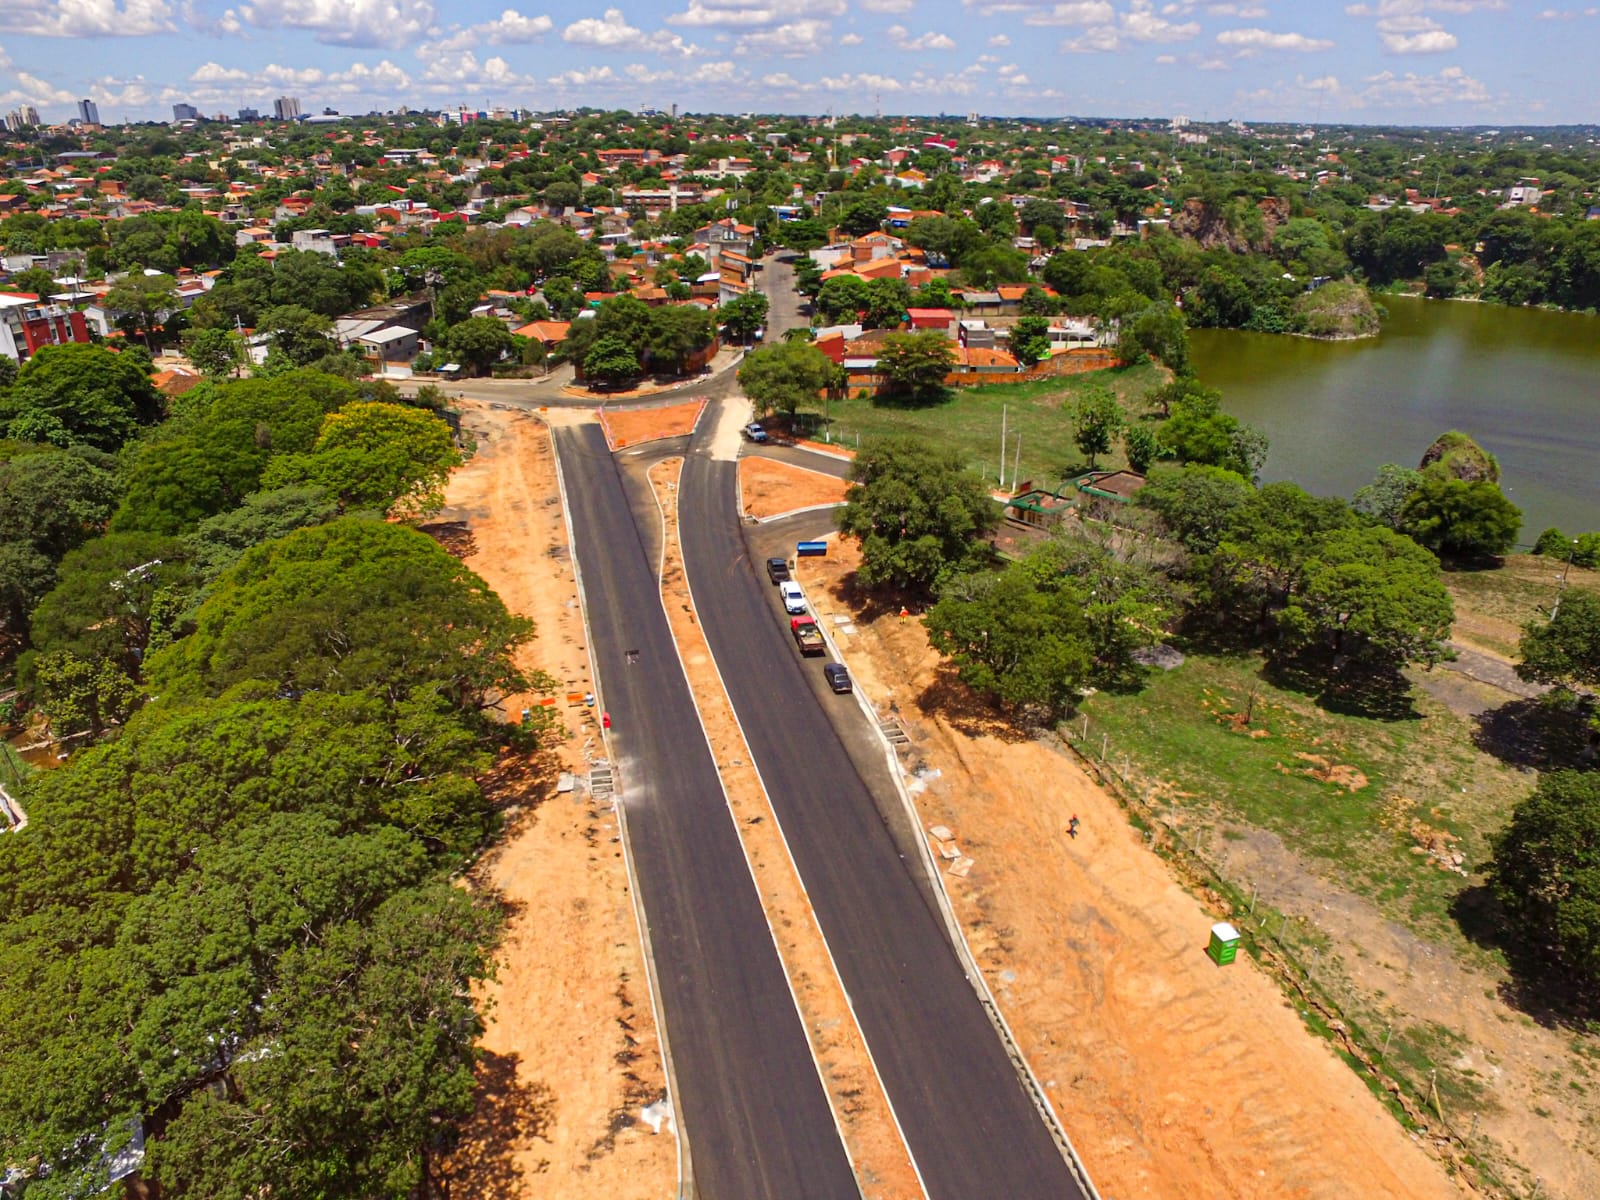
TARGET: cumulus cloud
(1245,12)
(798,39)
(87,18)
(999,39)
(716,14)
(1075,12)
(1140,23)
(900,37)
(343,22)
(851,39)
(1452,85)
(893,7)
(1250,41)
(612,32)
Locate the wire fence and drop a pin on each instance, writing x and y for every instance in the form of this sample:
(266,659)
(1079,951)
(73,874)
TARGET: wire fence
(1398,1061)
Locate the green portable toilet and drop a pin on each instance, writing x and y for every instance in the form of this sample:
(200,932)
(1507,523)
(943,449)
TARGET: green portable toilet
(1224,945)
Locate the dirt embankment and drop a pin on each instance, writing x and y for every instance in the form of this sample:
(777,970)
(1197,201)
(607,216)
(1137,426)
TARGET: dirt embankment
(571,1057)
(630,426)
(1175,1078)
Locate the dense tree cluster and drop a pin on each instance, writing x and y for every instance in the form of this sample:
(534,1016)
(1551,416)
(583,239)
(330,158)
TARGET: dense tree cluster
(229,920)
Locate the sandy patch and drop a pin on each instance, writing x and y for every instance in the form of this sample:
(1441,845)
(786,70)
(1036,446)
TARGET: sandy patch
(1174,1078)
(769,488)
(571,1053)
(630,426)
(876,1151)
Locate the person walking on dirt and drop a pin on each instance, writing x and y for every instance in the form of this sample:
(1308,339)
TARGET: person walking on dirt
(1072,827)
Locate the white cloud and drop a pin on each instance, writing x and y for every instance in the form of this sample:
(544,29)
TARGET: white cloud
(798,39)
(512,28)
(715,14)
(851,39)
(901,39)
(1245,12)
(87,18)
(999,39)
(344,22)
(612,32)
(1450,86)
(1140,23)
(587,77)
(1424,41)
(1075,12)
(1253,40)
(893,7)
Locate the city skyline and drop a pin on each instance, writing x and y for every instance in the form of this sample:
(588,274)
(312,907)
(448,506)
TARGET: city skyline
(1436,62)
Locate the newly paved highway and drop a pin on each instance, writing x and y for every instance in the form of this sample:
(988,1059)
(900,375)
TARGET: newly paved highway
(970,1126)
(748,1093)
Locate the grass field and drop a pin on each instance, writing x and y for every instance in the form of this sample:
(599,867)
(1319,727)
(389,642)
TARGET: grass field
(1342,791)
(969,422)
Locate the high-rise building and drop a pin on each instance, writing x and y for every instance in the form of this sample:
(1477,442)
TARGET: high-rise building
(185,112)
(249,114)
(22,118)
(286,108)
(30,115)
(88,112)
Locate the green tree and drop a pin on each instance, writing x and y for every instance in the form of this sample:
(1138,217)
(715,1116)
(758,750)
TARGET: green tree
(1384,499)
(219,541)
(300,334)
(744,316)
(843,299)
(1546,874)
(346,606)
(55,500)
(1368,602)
(389,458)
(785,376)
(919,514)
(1096,421)
(863,217)
(1030,340)
(914,365)
(79,395)
(1565,650)
(1140,446)
(887,301)
(611,361)
(1158,332)
(1018,637)
(1195,504)
(480,342)
(214,352)
(170,486)
(675,333)
(144,299)
(1460,520)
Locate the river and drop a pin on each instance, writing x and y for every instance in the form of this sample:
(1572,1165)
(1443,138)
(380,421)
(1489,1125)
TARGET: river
(1524,382)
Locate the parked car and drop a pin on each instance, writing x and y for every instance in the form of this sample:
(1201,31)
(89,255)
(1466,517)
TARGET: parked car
(794,600)
(754,432)
(838,677)
(777,569)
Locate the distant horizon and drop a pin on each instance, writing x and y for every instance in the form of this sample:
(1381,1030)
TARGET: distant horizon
(1439,64)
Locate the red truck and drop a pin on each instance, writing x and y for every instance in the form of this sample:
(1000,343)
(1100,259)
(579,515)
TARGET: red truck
(806,635)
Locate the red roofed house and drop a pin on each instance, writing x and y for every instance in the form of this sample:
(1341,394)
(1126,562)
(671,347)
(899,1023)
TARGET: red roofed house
(941,319)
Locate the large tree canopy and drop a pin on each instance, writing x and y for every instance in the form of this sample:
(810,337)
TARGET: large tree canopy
(79,395)
(919,514)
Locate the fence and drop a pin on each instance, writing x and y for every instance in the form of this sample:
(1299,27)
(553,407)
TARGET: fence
(1396,1064)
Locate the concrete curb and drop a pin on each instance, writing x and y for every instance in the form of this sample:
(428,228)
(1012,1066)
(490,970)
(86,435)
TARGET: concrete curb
(958,939)
(795,512)
(686,1186)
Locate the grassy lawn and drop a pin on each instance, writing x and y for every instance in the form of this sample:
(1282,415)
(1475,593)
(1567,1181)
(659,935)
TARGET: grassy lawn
(1217,775)
(969,422)
(1494,605)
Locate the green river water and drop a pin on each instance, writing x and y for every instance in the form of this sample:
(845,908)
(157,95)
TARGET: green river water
(1525,383)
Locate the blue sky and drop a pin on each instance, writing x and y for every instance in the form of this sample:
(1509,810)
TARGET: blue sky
(1442,62)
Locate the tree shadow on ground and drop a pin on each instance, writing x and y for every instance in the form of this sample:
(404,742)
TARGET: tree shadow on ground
(1543,733)
(1381,693)
(969,713)
(509,1115)
(455,536)
(871,603)
(1536,986)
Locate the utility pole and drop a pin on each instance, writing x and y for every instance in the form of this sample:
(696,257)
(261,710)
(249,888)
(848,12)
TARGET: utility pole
(1002,445)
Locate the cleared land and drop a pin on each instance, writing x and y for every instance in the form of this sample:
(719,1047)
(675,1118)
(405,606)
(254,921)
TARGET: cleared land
(571,1055)
(630,426)
(768,488)
(1174,1077)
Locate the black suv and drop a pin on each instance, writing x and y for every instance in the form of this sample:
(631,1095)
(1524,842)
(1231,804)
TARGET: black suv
(777,569)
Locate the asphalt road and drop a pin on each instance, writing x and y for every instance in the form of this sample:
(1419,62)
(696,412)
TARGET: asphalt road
(970,1125)
(747,1090)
